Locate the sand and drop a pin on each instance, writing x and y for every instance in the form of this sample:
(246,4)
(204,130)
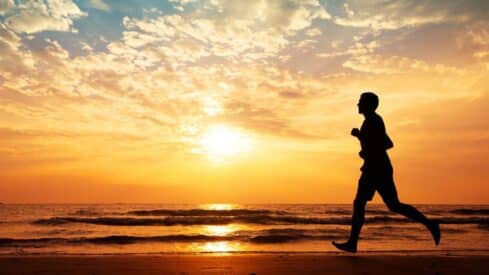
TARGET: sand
(246,264)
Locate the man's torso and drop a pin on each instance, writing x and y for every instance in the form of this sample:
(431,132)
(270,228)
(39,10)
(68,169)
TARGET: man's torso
(372,141)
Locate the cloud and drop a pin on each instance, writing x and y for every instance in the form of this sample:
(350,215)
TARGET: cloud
(243,32)
(100,5)
(13,62)
(5,6)
(188,71)
(374,63)
(183,2)
(391,15)
(474,38)
(36,16)
(179,4)
(285,15)
(143,100)
(313,32)
(356,49)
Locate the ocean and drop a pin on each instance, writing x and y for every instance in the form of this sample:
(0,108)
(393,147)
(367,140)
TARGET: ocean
(227,228)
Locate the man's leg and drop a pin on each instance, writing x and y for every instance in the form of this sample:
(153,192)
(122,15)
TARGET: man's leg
(365,192)
(358,218)
(387,190)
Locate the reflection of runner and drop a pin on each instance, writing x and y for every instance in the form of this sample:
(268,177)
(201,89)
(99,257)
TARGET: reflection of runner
(377,174)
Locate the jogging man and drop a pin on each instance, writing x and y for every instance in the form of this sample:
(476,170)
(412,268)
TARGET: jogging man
(377,174)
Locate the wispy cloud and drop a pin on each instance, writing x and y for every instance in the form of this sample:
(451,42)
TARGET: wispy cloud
(99,4)
(288,72)
(36,16)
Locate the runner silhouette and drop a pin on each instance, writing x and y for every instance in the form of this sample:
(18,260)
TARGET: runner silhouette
(377,174)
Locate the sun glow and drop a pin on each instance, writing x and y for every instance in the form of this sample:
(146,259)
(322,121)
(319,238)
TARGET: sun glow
(219,206)
(218,247)
(224,141)
(220,230)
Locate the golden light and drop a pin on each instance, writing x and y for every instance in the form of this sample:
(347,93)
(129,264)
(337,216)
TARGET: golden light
(224,141)
(211,107)
(218,206)
(218,247)
(220,230)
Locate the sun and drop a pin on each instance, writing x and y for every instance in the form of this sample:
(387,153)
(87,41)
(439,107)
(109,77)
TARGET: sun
(225,141)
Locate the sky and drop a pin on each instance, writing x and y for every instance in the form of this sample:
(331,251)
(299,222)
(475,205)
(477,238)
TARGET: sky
(187,101)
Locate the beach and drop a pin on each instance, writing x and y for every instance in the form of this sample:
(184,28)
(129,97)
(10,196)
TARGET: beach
(236,239)
(166,228)
(242,263)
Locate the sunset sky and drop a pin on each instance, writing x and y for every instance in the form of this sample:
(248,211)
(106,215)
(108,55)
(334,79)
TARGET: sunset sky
(187,101)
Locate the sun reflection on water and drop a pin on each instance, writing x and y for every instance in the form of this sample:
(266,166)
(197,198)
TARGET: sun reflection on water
(219,206)
(218,247)
(220,230)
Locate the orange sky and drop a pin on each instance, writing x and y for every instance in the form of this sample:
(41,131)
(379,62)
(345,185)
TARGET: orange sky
(217,101)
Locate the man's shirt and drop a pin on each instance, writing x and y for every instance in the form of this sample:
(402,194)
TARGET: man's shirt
(374,143)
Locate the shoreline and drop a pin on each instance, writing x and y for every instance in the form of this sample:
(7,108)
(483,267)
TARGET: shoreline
(424,252)
(449,253)
(225,263)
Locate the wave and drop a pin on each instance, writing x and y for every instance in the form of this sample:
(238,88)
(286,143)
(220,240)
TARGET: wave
(469,220)
(203,212)
(92,212)
(281,235)
(250,219)
(484,226)
(205,220)
(247,212)
(239,212)
(113,239)
(86,212)
(268,236)
(137,221)
(468,211)
(349,212)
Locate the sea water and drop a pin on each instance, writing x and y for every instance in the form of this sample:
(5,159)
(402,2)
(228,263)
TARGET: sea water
(164,228)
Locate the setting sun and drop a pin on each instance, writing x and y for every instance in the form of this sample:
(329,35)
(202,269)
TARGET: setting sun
(224,141)
(244,137)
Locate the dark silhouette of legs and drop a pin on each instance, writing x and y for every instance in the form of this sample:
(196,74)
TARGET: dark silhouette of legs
(408,211)
(365,193)
(387,190)
(358,218)
(411,212)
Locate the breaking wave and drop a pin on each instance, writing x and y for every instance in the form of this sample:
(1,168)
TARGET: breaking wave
(245,219)
(281,235)
(203,212)
(468,211)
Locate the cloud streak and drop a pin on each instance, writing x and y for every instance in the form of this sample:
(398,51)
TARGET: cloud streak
(37,16)
(288,72)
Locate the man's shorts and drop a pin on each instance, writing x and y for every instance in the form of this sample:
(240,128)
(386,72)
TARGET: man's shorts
(382,182)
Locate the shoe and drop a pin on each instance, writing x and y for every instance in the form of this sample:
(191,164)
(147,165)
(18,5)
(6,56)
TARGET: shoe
(347,246)
(434,228)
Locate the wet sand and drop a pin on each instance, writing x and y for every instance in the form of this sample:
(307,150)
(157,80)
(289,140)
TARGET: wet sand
(282,263)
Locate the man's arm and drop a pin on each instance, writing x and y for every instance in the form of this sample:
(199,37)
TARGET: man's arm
(355,132)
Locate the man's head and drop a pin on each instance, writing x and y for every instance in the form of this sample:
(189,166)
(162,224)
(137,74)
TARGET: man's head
(368,103)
